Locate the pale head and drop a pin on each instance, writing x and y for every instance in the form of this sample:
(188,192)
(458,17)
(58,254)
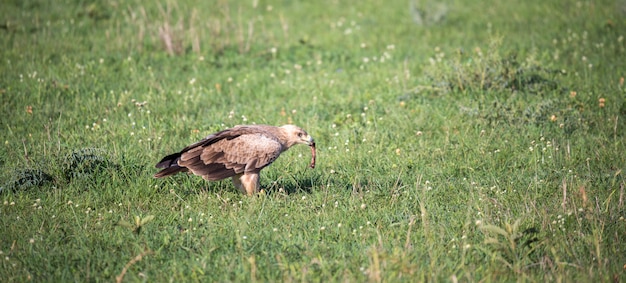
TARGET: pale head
(296,135)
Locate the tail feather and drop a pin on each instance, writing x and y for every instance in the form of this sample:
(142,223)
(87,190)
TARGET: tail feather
(169,160)
(174,169)
(169,164)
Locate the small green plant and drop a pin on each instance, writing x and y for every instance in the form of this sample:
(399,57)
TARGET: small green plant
(137,224)
(23,179)
(510,245)
(136,229)
(86,162)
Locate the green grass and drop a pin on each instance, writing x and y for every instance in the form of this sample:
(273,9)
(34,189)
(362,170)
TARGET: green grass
(487,145)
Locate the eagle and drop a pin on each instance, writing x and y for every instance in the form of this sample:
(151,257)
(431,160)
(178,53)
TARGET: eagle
(240,152)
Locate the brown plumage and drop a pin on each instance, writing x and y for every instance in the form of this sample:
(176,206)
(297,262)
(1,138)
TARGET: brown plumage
(240,152)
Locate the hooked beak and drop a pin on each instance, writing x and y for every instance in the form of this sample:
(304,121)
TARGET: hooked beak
(309,141)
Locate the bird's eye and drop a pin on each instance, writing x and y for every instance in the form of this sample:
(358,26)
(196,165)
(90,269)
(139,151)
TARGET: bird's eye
(300,134)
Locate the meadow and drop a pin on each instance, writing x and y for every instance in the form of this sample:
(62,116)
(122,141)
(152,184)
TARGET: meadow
(471,141)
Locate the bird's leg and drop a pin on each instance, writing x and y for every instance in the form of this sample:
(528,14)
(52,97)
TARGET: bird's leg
(237,183)
(250,183)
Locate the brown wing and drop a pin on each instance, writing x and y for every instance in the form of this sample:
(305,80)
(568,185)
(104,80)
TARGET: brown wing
(237,153)
(169,164)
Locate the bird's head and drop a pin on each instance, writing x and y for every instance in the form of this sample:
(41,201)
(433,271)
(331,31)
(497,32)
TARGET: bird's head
(296,135)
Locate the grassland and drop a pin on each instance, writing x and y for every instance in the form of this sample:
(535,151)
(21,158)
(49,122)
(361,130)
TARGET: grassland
(484,143)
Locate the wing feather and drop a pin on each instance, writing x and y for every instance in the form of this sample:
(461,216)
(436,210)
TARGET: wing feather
(231,152)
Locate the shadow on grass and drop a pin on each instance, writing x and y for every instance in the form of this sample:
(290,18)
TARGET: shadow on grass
(188,184)
(305,183)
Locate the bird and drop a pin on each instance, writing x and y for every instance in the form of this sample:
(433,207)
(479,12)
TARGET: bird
(240,152)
